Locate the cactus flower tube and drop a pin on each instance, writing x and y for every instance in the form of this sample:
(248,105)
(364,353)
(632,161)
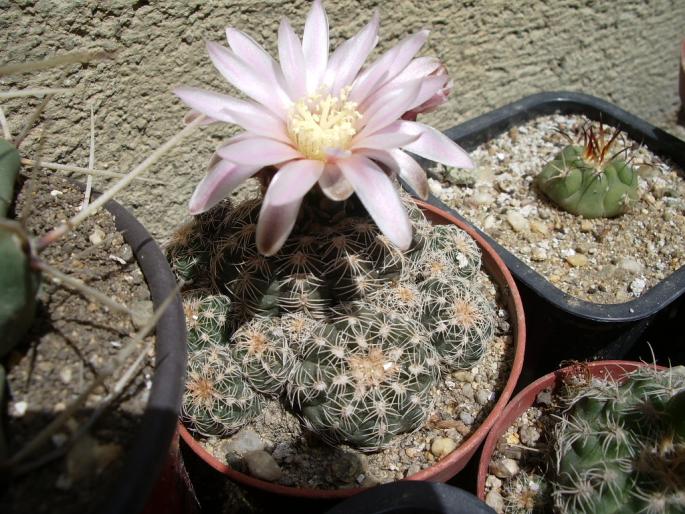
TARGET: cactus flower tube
(320,118)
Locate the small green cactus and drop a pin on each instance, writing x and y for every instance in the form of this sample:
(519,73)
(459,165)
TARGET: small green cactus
(19,282)
(364,379)
(621,447)
(459,319)
(217,400)
(589,182)
(206,319)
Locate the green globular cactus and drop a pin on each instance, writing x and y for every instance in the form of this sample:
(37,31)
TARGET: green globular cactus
(459,319)
(621,447)
(206,319)
(264,355)
(19,282)
(589,182)
(364,379)
(335,320)
(217,400)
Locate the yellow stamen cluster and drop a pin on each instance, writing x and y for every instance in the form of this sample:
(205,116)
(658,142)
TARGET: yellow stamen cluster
(323,121)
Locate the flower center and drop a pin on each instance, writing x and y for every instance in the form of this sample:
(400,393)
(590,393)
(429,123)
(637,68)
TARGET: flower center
(320,122)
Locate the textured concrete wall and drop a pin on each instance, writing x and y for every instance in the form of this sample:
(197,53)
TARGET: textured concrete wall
(496,51)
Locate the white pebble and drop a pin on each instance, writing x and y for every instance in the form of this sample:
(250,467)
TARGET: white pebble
(504,468)
(20,409)
(637,286)
(517,221)
(442,446)
(262,465)
(494,499)
(245,441)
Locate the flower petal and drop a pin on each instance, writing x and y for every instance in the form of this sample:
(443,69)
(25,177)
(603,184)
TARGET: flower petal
(262,88)
(406,167)
(222,179)
(192,115)
(379,197)
(207,102)
(387,66)
(389,108)
(251,116)
(388,137)
(315,45)
(349,57)
(275,224)
(435,145)
(292,181)
(429,87)
(334,185)
(292,60)
(258,151)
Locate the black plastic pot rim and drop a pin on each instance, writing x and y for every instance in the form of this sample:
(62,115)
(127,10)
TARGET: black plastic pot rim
(149,450)
(474,132)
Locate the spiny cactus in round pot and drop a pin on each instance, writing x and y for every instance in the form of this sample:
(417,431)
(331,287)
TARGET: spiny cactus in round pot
(588,180)
(331,273)
(620,447)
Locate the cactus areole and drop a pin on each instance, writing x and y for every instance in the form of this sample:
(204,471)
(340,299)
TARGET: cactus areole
(588,181)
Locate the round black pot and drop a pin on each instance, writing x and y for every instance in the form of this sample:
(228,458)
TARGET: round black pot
(148,452)
(561,327)
(410,497)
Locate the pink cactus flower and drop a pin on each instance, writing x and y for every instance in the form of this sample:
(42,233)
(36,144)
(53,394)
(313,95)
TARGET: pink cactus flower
(320,119)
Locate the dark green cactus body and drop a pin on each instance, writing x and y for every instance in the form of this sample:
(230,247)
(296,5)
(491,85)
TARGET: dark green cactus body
(18,281)
(621,448)
(587,187)
(365,380)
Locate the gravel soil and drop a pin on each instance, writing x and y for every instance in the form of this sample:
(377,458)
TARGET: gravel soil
(599,260)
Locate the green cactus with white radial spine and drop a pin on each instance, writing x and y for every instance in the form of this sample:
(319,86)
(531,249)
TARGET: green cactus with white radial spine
(364,379)
(459,320)
(621,447)
(587,181)
(339,296)
(206,319)
(262,350)
(217,400)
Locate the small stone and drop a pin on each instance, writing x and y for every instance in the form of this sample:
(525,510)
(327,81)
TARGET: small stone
(631,265)
(517,221)
(539,227)
(55,193)
(413,469)
(539,254)
(126,253)
(493,482)
(577,260)
(483,396)
(466,417)
(586,226)
(20,409)
(494,499)
(489,222)
(346,467)
(262,465)
(462,376)
(442,446)
(435,187)
(65,375)
(370,481)
(243,442)
(481,198)
(412,453)
(460,177)
(529,435)
(637,286)
(142,311)
(467,390)
(544,397)
(97,237)
(504,468)
(505,184)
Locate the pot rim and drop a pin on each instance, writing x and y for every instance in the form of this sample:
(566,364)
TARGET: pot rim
(455,461)
(148,452)
(526,397)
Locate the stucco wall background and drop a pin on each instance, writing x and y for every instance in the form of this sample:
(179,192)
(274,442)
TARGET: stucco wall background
(495,50)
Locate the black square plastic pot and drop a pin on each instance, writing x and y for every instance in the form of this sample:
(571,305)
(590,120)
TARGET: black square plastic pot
(562,327)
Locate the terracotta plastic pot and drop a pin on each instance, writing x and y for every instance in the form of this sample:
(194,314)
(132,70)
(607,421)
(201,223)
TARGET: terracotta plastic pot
(455,461)
(526,398)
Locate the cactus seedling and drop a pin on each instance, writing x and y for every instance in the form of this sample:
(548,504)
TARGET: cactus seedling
(588,181)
